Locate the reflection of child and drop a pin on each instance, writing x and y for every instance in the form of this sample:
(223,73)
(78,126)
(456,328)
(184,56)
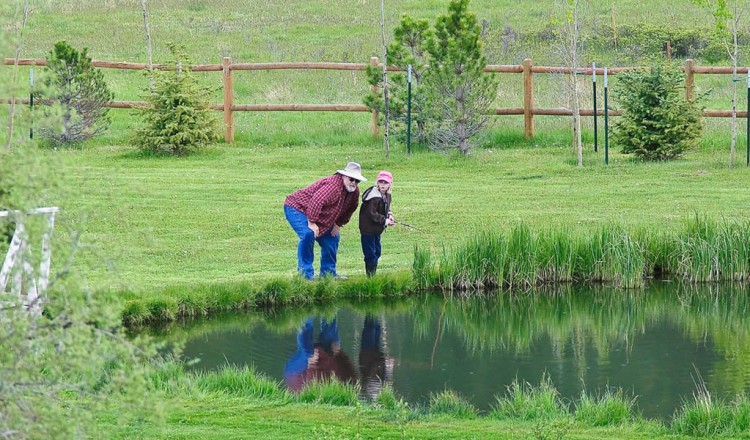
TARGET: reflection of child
(374,369)
(374,217)
(322,361)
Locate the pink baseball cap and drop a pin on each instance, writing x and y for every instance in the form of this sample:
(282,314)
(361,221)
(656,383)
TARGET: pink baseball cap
(385,175)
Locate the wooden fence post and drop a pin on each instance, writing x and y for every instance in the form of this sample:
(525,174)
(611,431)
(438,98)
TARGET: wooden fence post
(689,79)
(528,99)
(375,121)
(228,101)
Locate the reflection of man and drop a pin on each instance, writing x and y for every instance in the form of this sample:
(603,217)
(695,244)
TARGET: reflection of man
(317,212)
(374,368)
(323,360)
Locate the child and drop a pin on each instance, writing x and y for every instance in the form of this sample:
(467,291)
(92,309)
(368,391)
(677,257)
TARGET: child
(374,216)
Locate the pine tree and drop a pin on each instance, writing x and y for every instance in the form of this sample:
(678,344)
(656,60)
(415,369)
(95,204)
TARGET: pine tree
(459,92)
(178,119)
(78,90)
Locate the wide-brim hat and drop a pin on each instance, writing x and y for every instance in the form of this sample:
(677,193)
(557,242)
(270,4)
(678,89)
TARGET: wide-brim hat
(353,170)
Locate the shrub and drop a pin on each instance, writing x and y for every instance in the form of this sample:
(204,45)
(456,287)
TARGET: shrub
(177,119)
(658,122)
(78,91)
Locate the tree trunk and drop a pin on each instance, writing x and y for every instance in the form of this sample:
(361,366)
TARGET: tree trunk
(12,109)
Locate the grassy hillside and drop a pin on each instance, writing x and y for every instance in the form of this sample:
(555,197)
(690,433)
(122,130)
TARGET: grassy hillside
(341,30)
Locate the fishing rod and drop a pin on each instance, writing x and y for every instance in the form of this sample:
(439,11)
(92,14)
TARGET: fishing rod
(407,225)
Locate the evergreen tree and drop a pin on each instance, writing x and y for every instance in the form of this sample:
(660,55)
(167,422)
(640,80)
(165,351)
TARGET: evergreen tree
(451,93)
(408,47)
(178,119)
(459,92)
(75,88)
(658,122)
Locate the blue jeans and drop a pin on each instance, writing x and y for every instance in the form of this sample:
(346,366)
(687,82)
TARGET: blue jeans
(329,245)
(297,363)
(371,249)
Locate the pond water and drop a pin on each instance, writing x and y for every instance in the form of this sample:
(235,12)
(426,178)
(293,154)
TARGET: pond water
(656,344)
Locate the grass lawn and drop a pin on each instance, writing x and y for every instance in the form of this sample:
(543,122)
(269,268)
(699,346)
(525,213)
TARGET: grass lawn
(216,217)
(217,416)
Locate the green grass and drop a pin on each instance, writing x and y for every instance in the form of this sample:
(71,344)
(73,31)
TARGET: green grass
(700,251)
(523,401)
(332,31)
(705,416)
(450,403)
(240,403)
(153,223)
(612,407)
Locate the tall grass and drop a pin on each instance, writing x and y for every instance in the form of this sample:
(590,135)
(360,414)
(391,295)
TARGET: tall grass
(240,381)
(450,403)
(702,251)
(329,392)
(523,401)
(705,416)
(610,408)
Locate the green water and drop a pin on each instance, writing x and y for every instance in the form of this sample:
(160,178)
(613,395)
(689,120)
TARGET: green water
(655,343)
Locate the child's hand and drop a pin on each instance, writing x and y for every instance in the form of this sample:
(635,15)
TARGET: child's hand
(390,221)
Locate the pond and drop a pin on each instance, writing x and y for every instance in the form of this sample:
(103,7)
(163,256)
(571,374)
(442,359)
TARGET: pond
(657,344)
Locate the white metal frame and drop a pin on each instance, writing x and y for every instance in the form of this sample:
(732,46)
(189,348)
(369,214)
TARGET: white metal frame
(24,272)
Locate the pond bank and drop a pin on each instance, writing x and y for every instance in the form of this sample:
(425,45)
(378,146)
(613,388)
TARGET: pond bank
(239,403)
(703,251)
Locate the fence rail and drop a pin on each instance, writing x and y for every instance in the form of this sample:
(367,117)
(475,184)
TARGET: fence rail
(528,110)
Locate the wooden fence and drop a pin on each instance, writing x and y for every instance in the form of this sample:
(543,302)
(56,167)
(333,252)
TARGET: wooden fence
(527,69)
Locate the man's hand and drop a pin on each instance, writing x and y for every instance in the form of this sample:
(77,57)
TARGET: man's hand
(314,228)
(335,230)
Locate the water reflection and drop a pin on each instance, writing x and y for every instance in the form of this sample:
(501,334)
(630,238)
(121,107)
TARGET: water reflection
(325,360)
(652,343)
(375,367)
(319,362)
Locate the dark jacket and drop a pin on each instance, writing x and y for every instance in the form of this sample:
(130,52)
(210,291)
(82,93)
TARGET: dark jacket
(374,211)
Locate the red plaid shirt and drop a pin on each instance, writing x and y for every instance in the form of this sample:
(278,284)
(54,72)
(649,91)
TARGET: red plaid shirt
(325,202)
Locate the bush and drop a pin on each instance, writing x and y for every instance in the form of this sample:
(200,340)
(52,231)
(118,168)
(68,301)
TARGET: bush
(177,119)
(75,88)
(658,122)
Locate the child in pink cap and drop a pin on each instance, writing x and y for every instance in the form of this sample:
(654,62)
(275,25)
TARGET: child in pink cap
(374,216)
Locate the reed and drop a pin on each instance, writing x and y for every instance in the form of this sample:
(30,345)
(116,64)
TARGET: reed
(702,251)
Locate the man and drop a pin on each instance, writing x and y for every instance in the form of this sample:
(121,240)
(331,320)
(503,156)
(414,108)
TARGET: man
(316,213)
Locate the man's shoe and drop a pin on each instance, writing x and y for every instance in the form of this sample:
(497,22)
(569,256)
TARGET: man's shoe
(340,278)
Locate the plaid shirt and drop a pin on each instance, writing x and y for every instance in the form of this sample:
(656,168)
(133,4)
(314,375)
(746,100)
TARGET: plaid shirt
(325,202)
